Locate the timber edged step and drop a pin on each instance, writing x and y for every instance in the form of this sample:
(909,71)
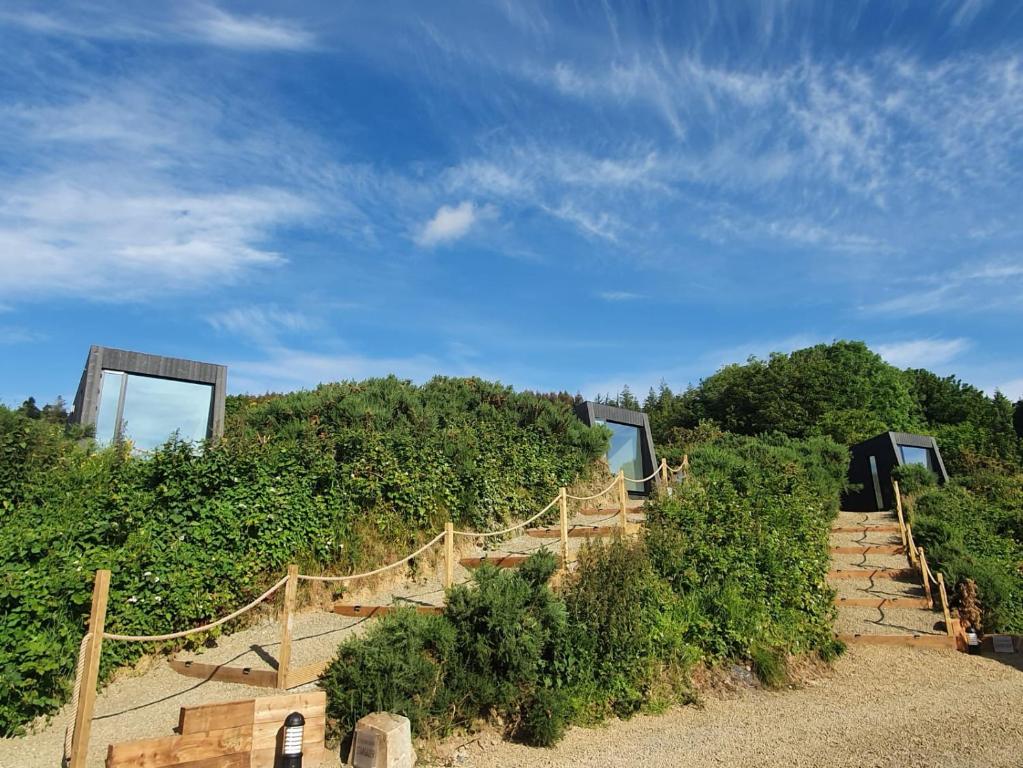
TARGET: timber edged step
(866,529)
(884,602)
(574,532)
(910,641)
(499,561)
(870,549)
(874,573)
(369,611)
(605,511)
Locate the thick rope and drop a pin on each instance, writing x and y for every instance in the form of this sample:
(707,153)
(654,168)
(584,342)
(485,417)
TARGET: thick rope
(656,472)
(355,576)
(676,470)
(69,732)
(512,528)
(596,495)
(204,628)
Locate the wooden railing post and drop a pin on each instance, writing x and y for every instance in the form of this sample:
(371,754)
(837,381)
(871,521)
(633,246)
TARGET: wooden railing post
(623,497)
(926,573)
(449,555)
(944,605)
(287,625)
(563,509)
(685,465)
(898,512)
(911,550)
(664,473)
(90,671)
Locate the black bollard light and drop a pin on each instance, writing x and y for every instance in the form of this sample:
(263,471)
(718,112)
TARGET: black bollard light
(291,754)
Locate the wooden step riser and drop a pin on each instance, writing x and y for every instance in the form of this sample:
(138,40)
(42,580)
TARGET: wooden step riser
(885,602)
(909,641)
(509,561)
(369,611)
(907,574)
(579,532)
(865,529)
(870,549)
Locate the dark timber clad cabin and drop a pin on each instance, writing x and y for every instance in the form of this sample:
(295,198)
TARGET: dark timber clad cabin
(632,447)
(872,463)
(148,398)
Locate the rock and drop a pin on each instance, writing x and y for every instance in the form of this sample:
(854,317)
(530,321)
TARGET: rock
(382,740)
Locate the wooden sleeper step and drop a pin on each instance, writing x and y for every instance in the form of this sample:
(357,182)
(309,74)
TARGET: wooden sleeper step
(500,561)
(574,532)
(915,641)
(876,573)
(870,549)
(865,529)
(602,511)
(369,611)
(883,602)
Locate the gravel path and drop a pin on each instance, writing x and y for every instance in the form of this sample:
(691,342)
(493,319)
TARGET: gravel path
(878,707)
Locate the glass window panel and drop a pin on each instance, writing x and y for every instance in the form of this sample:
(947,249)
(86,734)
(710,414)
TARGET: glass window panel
(626,452)
(106,416)
(911,454)
(154,409)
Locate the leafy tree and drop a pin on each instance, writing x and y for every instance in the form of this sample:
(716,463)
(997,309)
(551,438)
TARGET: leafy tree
(30,409)
(1017,419)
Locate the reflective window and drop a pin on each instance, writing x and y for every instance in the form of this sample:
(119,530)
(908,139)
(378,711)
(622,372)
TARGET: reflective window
(626,452)
(911,454)
(153,409)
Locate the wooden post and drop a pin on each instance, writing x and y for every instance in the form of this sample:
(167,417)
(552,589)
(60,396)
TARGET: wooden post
(664,473)
(623,497)
(90,671)
(944,605)
(287,625)
(449,555)
(926,572)
(685,465)
(898,511)
(911,550)
(563,509)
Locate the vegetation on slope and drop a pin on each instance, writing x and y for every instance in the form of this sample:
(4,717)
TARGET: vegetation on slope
(732,567)
(342,476)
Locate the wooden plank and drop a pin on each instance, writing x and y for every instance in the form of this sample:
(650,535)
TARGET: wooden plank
(913,641)
(369,611)
(90,672)
(875,573)
(216,717)
(263,678)
(212,746)
(272,708)
(875,549)
(866,529)
(307,674)
(575,532)
(599,511)
(883,602)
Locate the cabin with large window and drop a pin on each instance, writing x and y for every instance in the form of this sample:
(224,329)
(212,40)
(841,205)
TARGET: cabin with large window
(872,462)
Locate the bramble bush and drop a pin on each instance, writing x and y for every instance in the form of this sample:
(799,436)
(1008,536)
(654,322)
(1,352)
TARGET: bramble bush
(342,476)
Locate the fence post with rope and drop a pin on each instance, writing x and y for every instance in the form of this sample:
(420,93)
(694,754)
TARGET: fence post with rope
(623,497)
(88,672)
(287,624)
(664,474)
(449,554)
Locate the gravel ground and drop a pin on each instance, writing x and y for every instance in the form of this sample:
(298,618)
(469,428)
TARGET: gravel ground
(878,707)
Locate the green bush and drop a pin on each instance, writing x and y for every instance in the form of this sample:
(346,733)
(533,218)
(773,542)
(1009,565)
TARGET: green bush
(630,629)
(344,476)
(501,648)
(973,529)
(913,478)
(744,544)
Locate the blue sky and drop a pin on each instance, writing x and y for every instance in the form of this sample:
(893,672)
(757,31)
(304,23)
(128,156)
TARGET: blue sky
(558,196)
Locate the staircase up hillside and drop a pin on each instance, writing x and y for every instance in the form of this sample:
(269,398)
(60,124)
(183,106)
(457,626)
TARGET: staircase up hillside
(881,595)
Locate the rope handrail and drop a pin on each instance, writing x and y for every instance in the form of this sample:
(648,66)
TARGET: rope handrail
(76,693)
(395,564)
(676,470)
(596,495)
(204,628)
(645,479)
(523,524)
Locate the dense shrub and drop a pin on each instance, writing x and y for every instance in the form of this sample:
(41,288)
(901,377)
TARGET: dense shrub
(502,648)
(744,544)
(630,629)
(339,477)
(973,529)
(914,478)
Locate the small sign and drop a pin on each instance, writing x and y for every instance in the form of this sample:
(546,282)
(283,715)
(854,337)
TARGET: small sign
(1002,643)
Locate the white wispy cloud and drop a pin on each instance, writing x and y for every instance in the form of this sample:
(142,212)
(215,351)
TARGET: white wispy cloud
(619,296)
(262,324)
(448,224)
(219,27)
(15,334)
(1012,389)
(991,286)
(922,353)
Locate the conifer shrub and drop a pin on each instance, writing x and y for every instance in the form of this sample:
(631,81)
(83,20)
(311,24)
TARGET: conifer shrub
(914,478)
